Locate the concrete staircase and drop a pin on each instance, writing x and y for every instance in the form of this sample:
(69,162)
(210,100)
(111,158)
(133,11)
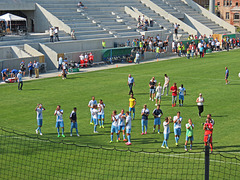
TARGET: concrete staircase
(181,8)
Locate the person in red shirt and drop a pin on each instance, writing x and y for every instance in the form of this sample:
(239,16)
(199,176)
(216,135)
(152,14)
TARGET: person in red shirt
(208,128)
(173,89)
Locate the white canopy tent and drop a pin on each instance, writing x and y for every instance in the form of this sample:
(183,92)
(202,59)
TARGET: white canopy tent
(11,17)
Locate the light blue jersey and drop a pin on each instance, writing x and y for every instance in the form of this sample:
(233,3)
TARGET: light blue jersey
(39,113)
(91,103)
(181,91)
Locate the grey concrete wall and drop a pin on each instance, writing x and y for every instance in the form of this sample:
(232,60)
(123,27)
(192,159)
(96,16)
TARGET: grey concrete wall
(51,56)
(41,23)
(18,53)
(32,51)
(5,53)
(74,56)
(11,5)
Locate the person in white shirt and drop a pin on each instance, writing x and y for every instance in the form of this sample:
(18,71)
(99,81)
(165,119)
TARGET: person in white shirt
(137,57)
(39,110)
(166,132)
(114,127)
(60,61)
(51,33)
(182,93)
(95,117)
(59,120)
(91,103)
(56,34)
(73,35)
(200,101)
(101,114)
(158,94)
(121,124)
(177,120)
(166,85)
(128,128)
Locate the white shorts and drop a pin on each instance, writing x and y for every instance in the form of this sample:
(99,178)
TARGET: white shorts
(158,96)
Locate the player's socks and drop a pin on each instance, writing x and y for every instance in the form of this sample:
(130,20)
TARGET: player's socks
(102,123)
(133,115)
(177,139)
(185,146)
(211,147)
(95,128)
(124,136)
(166,143)
(129,138)
(159,131)
(58,131)
(111,137)
(145,129)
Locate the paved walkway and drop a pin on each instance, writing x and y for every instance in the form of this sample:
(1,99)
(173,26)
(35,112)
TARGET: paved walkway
(55,73)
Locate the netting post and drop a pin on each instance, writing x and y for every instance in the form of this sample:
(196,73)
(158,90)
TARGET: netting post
(207,162)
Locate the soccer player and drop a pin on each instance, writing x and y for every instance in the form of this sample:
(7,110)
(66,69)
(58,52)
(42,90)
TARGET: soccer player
(166,132)
(39,110)
(128,127)
(90,105)
(59,120)
(177,120)
(208,128)
(173,89)
(73,118)
(101,114)
(226,75)
(131,82)
(157,113)
(211,120)
(152,89)
(95,117)
(132,104)
(145,114)
(114,127)
(166,84)
(189,134)
(182,93)
(121,124)
(158,95)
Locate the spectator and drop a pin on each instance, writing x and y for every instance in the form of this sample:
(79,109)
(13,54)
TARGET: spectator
(51,34)
(36,66)
(80,5)
(73,35)
(56,34)
(137,57)
(4,74)
(30,68)
(60,60)
(14,73)
(176,30)
(103,44)
(22,67)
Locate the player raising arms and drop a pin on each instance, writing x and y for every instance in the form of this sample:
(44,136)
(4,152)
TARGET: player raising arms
(208,128)
(95,117)
(39,110)
(121,124)
(128,127)
(189,133)
(145,114)
(114,127)
(177,120)
(59,120)
(166,131)
(157,113)
(101,114)
(73,118)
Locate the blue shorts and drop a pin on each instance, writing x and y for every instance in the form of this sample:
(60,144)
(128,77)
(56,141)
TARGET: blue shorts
(166,136)
(152,91)
(39,122)
(132,109)
(189,138)
(128,130)
(101,116)
(95,121)
(121,127)
(157,121)
(114,129)
(226,77)
(181,97)
(59,124)
(144,122)
(177,132)
(74,125)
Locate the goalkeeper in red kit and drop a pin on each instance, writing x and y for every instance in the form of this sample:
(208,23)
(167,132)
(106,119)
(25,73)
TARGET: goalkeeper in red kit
(208,128)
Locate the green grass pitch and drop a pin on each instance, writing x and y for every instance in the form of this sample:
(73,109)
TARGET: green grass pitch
(198,75)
